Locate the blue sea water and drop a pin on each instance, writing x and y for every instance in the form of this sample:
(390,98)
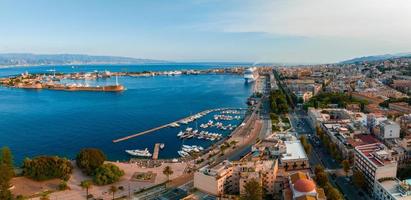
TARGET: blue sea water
(45,122)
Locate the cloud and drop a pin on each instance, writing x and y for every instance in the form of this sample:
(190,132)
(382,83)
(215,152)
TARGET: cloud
(371,19)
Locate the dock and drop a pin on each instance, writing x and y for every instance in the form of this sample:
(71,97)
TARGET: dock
(156,151)
(171,124)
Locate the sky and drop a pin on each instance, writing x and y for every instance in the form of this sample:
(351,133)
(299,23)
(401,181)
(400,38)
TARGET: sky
(282,31)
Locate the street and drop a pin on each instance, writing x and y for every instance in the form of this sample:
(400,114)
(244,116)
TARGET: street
(319,155)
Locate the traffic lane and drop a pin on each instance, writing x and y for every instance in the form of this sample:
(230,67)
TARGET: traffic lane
(349,190)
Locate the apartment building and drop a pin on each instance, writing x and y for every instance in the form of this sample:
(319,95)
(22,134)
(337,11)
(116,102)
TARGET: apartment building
(375,162)
(230,177)
(390,188)
(389,130)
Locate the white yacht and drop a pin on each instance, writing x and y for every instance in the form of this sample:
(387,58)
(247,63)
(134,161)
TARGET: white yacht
(142,153)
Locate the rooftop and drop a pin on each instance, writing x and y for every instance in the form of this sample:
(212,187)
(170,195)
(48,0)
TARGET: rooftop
(398,189)
(376,153)
(295,150)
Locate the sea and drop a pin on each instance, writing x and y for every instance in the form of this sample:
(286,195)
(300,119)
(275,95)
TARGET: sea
(46,122)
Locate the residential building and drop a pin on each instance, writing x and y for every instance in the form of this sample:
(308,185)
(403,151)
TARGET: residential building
(389,130)
(390,188)
(375,162)
(230,177)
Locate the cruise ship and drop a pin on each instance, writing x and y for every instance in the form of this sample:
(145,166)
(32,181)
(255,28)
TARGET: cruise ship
(250,74)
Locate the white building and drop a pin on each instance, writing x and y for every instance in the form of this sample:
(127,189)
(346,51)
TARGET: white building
(390,188)
(295,156)
(375,162)
(389,129)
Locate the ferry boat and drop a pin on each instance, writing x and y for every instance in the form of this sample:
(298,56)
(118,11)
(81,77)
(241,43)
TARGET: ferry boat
(250,74)
(142,153)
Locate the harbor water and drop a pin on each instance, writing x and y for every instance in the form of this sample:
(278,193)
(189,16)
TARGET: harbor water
(46,122)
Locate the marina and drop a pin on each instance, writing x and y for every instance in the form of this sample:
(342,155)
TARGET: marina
(176,124)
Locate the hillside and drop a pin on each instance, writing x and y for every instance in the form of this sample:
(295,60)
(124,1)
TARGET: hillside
(375,58)
(20,59)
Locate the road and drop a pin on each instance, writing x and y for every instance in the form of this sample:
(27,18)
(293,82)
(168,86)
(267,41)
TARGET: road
(319,155)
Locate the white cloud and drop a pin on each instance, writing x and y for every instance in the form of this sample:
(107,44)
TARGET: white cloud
(385,20)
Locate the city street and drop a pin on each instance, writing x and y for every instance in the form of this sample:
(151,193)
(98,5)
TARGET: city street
(319,155)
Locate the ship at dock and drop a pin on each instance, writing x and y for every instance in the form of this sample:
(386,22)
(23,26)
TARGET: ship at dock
(140,153)
(250,74)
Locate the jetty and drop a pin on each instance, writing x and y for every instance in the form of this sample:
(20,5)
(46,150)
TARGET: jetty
(172,124)
(156,151)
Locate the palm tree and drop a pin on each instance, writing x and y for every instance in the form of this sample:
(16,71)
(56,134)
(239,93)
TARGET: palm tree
(168,171)
(86,184)
(113,189)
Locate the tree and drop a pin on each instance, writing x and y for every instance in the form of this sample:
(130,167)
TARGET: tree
(308,148)
(107,174)
(167,171)
(47,167)
(45,196)
(88,160)
(334,194)
(319,132)
(253,191)
(113,189)
(63,185)
(358,179)
(6,173)
(346,166)
(321,178)
(5,177)
(318,169)
(87,184)
(7,159)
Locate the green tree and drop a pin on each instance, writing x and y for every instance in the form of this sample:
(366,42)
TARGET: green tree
(113,189)
(63,185)
(6,173)
(44,196)
(86,185)
(321,178)
(346,166)
(107,174)
(88,160)
(334,194)
(253,191)
(47,167)
(320,132)
(358,179)
(168,171)
(7,159)
(5,177)
(318,169)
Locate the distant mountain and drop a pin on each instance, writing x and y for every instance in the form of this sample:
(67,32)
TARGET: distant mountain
(23,59)
(375,58)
